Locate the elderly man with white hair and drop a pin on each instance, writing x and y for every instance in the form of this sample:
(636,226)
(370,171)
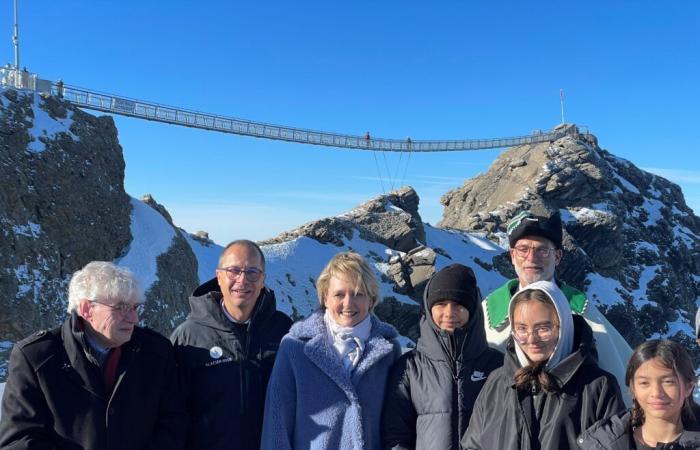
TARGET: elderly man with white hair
(99,381)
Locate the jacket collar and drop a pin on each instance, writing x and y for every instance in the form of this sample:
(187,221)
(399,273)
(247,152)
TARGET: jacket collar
(320,351)
(79,367)
(616,432)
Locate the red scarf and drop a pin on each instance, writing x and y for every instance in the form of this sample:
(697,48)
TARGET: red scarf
(110,368)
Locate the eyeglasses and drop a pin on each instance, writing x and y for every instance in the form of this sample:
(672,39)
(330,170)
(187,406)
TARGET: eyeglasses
(123,307)
(543,333)
(541,252)
(233,272)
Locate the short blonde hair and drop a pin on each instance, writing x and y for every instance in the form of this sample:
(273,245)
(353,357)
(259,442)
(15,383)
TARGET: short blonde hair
(100,280)
(352,268)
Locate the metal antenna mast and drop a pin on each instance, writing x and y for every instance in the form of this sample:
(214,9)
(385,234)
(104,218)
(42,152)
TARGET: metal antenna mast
(15,42)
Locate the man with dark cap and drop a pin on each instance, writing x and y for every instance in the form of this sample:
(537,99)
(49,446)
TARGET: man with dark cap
(535,251)
(431,390)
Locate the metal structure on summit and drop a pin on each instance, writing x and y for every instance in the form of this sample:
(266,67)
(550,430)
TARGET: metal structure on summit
(12,76)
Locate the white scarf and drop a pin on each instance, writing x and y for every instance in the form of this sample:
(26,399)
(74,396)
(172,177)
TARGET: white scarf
(349,342)
(565,343)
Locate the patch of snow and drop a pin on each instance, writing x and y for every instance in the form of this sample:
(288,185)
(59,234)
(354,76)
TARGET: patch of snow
(625,184)
(680,325)
(31,229)
(640,294)
(151,237)
(45,127)
(29,280)
(653,209)
(597,211)
(684,235)
(566,216)
(677,212)
(207,257)
(604,290)
(643,245)
(652,190)
(465,248)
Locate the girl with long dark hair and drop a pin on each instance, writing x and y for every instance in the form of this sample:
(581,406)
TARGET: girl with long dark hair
(661,378)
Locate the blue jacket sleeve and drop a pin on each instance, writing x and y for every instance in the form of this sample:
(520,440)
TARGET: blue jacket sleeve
(280,403)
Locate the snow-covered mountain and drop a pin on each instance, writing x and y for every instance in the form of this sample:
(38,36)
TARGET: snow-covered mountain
(64,205)
(630,239)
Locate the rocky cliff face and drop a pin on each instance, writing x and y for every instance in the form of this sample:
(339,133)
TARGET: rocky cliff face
(629,236)
(62,205)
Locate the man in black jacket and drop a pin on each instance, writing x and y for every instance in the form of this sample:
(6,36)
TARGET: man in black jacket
(98,381)
(226,349)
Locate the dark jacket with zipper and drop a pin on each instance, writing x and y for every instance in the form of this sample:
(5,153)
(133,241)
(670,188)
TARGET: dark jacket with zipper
(226,367)
(432,389)
(507,419)
(55,396)
(615,433)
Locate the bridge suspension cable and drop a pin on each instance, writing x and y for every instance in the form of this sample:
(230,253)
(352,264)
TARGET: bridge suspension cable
(124,106)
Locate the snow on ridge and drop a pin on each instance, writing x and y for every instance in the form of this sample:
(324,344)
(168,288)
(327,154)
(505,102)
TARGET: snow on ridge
(677,212)
(569,215)
(680,325)
(151,237)
(603,290)
(207,256)
(685,236)
(44,126)
(625,183)
(653,208)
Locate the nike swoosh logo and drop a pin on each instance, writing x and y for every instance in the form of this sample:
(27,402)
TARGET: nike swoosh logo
(477,378)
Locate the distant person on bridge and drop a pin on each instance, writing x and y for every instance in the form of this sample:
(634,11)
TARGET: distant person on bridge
(97,382)
(226,348)
(535,251)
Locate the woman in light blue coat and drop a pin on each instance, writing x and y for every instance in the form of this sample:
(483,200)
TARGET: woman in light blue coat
(328,382)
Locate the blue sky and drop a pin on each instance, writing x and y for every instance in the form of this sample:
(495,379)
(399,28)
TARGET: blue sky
(429,70)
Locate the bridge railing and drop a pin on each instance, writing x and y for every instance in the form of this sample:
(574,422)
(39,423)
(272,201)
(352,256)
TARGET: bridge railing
(168,114)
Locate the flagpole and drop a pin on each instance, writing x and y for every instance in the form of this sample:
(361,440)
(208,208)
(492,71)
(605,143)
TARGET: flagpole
(561,101)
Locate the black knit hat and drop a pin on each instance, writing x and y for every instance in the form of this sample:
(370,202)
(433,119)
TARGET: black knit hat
(527,224)
(457,283)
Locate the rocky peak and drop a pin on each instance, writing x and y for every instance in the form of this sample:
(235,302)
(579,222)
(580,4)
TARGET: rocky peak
(391,219)
(624,227)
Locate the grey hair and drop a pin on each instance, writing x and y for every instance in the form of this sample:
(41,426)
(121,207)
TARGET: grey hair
(100,280)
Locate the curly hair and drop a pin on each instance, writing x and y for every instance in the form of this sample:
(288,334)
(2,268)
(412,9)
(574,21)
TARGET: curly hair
(103,280)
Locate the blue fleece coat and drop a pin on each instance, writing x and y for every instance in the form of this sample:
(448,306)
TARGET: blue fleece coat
(313,403)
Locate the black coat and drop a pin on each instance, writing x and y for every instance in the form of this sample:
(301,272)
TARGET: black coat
(226,369)
(615,433)
(55,397)
(505,419)
(432,389)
